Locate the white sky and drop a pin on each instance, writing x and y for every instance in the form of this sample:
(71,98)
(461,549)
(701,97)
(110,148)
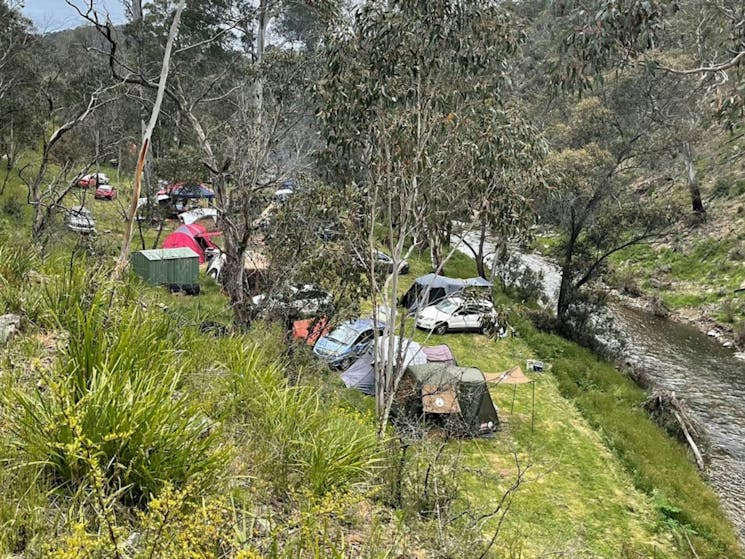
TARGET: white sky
(53,15)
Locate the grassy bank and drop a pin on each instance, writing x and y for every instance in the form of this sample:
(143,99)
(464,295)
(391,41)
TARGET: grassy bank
(604,476)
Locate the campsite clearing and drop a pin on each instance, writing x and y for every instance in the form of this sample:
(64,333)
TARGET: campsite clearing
(591,487)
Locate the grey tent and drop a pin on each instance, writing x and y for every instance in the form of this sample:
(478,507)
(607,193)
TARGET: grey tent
(431,288)
(458,395)
(361,375)
(408,350)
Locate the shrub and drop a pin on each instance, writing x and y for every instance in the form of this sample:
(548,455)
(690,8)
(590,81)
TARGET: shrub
(111,406)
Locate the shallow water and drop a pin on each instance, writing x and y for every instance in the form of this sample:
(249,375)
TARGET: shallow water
(710,380)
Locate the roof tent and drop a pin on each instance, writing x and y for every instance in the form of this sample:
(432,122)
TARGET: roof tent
(458,395)
(432,288)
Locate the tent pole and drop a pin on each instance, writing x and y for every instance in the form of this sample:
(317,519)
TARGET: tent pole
(532,413)
(512,407)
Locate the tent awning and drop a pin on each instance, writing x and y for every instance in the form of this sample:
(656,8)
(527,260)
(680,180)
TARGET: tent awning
(515,375)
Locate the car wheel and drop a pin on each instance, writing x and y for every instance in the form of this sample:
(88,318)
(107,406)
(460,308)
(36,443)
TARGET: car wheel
(344,364)
(440,329)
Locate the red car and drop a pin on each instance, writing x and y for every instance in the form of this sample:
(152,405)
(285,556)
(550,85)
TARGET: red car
(105,192)
(93,180)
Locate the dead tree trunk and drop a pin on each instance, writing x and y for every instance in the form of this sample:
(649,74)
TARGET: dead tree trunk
(692,179)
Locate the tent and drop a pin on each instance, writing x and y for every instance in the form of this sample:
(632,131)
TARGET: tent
(459,395)
(431,288)
(439,354)
(196,214)
(412,353)
(192,236)
(361,374)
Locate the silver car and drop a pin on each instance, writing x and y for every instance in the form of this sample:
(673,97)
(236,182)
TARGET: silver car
(80,220)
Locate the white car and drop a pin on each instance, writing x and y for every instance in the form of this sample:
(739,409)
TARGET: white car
(301,301)
(216,263)
(457,313)
(80,220)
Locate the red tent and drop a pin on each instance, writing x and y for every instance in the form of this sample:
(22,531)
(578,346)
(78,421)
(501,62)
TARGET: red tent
(192,236)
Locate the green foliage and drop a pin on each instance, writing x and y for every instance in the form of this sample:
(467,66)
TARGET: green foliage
(112,406)
(299,442)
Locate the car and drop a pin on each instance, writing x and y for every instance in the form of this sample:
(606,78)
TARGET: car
(457,313)
(384,263)
(345,343)
(216,263)
(105,192)
(296,302)
(94,179)
(80,220)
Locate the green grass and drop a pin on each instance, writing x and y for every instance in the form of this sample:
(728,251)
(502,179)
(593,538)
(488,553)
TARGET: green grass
(605,478)
(708,272)
(658,466)
(604,481)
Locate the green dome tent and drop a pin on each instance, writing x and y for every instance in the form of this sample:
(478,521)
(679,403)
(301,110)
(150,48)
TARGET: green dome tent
(458,395)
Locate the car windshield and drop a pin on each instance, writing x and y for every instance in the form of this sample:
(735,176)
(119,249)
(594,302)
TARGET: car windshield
(448,307)
(343,335)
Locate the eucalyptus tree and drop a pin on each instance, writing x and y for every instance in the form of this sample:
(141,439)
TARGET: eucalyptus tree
(18,82)
(597,204)
(232,105)
(415,113)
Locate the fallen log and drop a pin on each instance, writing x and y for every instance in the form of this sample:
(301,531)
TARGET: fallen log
(665,408)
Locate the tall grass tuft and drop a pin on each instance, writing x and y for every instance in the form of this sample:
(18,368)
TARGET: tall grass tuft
(111,409)
(299,442)
(17,261)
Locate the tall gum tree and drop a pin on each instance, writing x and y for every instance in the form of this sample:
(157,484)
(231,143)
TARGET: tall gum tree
(411,104)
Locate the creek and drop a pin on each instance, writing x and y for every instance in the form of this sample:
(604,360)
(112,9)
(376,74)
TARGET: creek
(707,377)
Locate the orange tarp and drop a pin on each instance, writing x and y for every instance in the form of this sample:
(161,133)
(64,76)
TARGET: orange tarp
(307,331)
(513,376)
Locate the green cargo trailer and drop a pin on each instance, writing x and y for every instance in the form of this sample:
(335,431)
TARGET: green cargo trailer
(178,268)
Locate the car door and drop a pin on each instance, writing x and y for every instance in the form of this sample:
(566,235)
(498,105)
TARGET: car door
(362,343)
(457,320)
(472,317)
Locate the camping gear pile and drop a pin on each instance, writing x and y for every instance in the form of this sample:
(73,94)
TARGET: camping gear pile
(432,389)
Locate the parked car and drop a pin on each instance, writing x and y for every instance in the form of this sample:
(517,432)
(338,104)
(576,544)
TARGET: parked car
(216,263)
(297,302)
(105,192)
(80,220)
(347,342)
(384,263)
(457,313)
(94,179)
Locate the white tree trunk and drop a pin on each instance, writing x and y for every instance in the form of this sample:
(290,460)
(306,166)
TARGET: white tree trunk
(124,255)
